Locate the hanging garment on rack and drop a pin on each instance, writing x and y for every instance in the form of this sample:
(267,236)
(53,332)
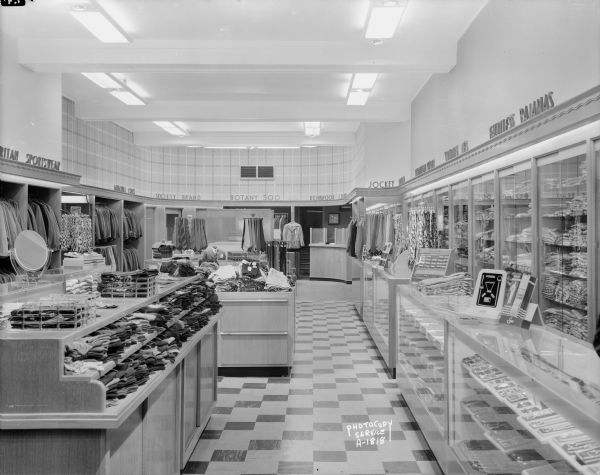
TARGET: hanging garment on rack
(109,253)
(361,232)
(11,225)
(198,234)
(276,255)
(131,260)
(181,234)
(46,222)
(352,232)
(106,224)
(293,235)
(76,233)
(253,235)
(132,226)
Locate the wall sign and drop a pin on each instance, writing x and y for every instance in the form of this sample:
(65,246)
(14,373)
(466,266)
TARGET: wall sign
(35,160)
(424,168)
(122,189)
(9,154)
(456,151)
(401,180)
(329,197)
(381,184)
(527,112)
(42,162)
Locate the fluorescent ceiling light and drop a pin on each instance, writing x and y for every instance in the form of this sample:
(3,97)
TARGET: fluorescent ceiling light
(103,80)
(309,146)
(364,80)
(383,22)
(194,146)
(312,129)
(100,26)
(358,97)
(171,128)
(375,206)
(181,125)
(128,98)
(226,148)
(280,148)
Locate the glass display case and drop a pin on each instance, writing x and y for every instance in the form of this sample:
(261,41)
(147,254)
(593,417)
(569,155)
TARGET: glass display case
(563,205)
(420,365)
(442,210)
(521,402)
(484,214)
(460,225)
(379,310)
(515,219)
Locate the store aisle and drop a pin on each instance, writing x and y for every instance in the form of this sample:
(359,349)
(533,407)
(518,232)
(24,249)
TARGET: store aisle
(298,425)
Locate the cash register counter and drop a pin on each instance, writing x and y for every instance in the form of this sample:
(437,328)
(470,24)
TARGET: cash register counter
(330,262)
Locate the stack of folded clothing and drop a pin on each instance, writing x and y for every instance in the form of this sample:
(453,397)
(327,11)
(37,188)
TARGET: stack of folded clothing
(459,283)
(570,321)
(579,264)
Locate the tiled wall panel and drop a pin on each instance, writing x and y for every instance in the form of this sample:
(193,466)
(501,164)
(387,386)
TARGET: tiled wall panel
(105,155)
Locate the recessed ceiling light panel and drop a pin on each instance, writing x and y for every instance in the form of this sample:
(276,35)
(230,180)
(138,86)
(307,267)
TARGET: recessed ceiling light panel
(100,26)
(358,97)
(383,22)
(103,80)
(128,98)
(364,80)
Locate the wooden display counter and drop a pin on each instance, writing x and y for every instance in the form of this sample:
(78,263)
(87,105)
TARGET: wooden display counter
(257,330)
(331,262)
(52,423)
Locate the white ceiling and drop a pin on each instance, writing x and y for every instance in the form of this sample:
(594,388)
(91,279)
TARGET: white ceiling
(242,71)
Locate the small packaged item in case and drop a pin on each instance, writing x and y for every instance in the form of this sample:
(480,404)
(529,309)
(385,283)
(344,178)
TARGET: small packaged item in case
(590,456)
(539,414)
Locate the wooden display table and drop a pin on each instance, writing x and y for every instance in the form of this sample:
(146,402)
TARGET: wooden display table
(52,423)
(257,329)
(331,262)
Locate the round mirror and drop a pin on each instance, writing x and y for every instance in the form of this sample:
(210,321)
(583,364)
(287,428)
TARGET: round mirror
(30,251)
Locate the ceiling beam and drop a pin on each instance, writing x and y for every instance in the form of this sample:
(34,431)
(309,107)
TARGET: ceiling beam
(217,111)
(181,56)
(244,139)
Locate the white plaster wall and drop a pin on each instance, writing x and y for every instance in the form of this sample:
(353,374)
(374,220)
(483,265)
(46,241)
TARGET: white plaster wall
(382,153)
(30,106)
(514,52)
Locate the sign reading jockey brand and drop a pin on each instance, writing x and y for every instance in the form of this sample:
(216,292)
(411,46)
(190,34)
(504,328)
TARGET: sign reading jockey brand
(528,112)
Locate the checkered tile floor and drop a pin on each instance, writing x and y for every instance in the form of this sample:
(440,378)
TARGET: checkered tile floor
(300,425)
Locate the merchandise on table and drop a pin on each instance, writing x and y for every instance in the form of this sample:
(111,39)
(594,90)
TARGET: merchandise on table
(138,284)
(459,283)
(86,285)
(53,313)
(126,352)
